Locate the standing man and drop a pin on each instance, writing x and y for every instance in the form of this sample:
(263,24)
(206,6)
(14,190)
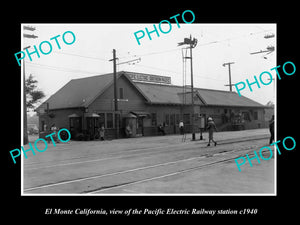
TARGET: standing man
(161,129)
(211,126)
(128,131)
(181,127)
(54,129)
(271,127)
(101,132)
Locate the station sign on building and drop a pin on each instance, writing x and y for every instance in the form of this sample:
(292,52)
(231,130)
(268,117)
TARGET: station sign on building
(149,78)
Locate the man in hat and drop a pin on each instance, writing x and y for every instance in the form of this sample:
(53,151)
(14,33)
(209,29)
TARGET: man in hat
(181,127)
(211,126)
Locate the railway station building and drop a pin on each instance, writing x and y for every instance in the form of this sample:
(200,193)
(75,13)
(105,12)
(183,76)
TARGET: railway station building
(144,102)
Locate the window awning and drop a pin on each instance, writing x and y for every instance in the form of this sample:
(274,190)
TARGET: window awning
(140,113)
(129,115)
(73,115)
(91,115)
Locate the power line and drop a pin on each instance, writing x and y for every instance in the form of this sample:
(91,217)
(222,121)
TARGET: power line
(156,68)
(233,38)
(159,52)
(64,69)
(204,44)
(171,71)
(82,56)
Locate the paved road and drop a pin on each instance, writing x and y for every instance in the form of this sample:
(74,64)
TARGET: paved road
(151,165)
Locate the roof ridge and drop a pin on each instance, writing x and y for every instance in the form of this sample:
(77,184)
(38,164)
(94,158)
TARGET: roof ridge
(150,83)
(180,86)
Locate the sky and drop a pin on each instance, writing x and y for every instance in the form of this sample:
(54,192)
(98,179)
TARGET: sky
(217,44)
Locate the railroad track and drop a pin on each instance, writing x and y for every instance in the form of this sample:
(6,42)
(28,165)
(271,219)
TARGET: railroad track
(219,162)
(117,179)
(131,152)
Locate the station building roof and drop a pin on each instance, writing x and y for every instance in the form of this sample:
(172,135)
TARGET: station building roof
(158,93)
(83,91)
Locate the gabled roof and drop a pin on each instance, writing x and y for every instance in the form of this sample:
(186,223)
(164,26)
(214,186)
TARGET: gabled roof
(82,92)
(226,98)
(159,93)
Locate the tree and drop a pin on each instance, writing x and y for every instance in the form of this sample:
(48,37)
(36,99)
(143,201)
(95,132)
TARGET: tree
(33,95)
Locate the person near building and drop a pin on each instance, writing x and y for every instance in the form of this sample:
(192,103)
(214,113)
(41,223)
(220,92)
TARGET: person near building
(102,132)
(211,127)
(128,131)
(161,129)
(54,129)
(181,127)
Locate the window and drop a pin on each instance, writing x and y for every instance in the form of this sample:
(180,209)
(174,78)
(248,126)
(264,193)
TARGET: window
(75,124)
(96,122)
(153,119)
(101,119)
(139,123)
(186,119)
(121,93)
(217,110)
(246,116)
(89,123)
(172,119)
(109,120)
(43,126)
(177,118)
(255,115)
(167,120)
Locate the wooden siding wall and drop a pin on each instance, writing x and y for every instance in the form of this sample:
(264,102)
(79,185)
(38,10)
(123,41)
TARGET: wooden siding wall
(104,102)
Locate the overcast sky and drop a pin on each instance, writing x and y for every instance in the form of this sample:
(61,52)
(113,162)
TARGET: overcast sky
(217,44)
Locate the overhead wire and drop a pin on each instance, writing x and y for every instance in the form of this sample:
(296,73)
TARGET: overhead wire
(64,69)
(141,55)
(82,56)
(176,72)
(159,52)
(208,43)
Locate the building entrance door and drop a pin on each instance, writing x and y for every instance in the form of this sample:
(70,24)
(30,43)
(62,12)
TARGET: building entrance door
(92,125)
(140,127)
(75,125)
(172,123)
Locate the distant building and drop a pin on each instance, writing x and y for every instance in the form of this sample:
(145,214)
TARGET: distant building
(144,101)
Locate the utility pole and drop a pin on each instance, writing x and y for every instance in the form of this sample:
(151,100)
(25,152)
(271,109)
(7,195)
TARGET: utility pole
(25,134)
(117,115)
(228,64)
(192,44)
(114,59)
(192,89)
